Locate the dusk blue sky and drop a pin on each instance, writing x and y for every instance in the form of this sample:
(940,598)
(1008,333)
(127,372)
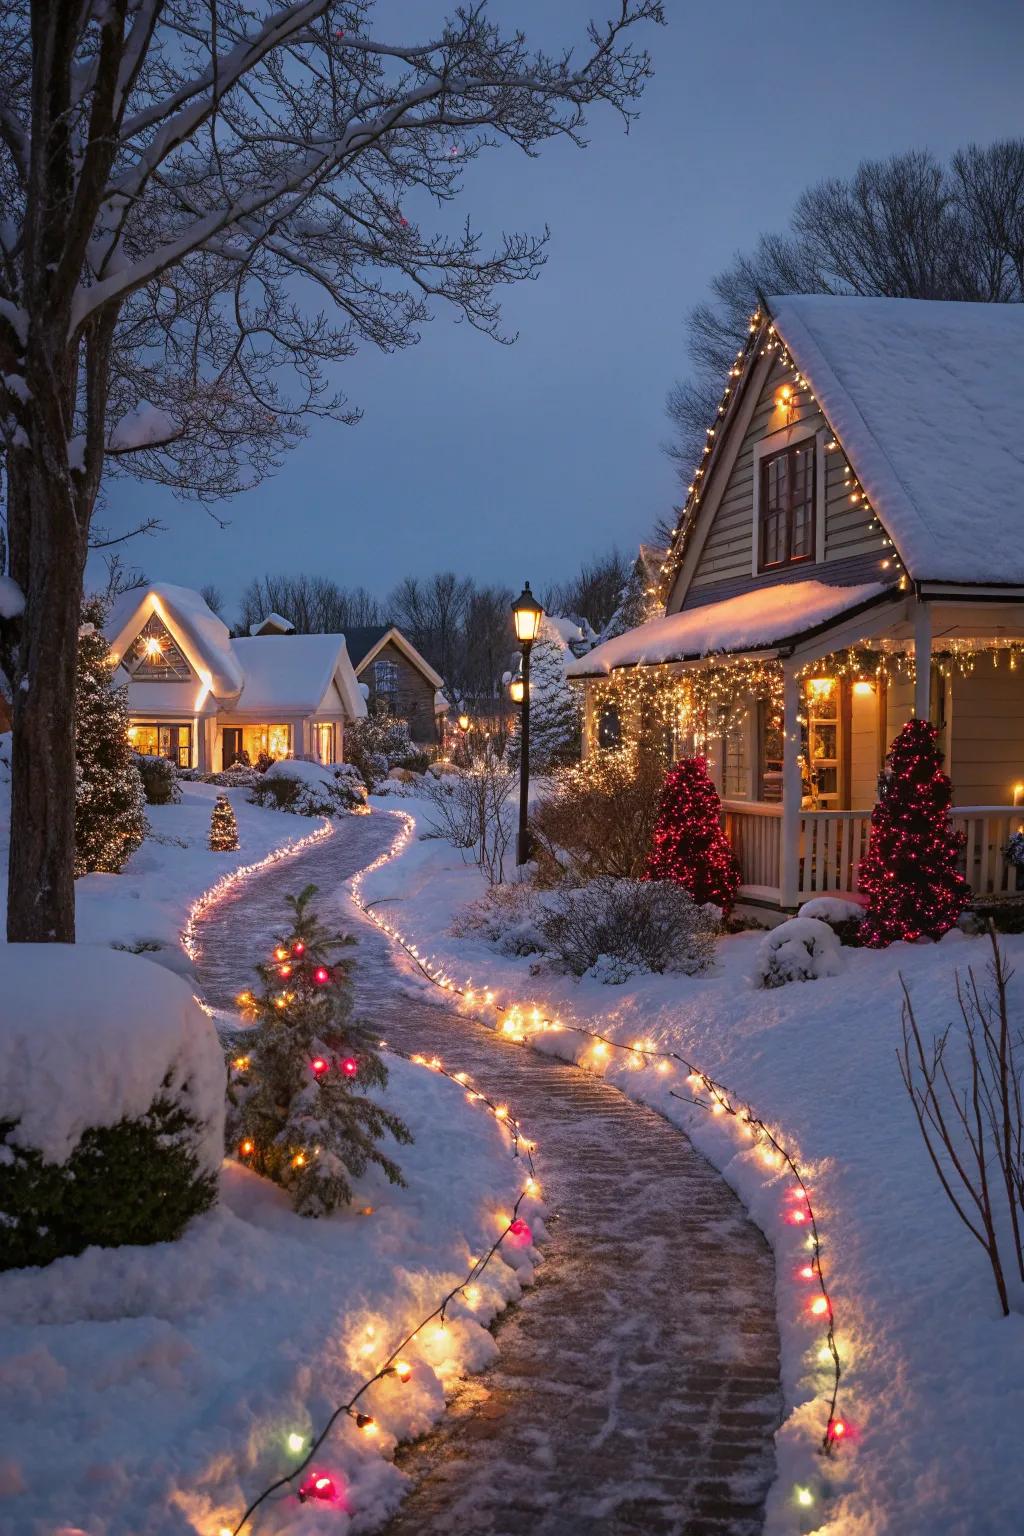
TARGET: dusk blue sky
(515,462)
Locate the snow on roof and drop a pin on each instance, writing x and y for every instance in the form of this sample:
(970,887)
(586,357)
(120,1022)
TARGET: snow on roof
(927,399)
(753,620)
(290,674)
(272,623)
(201,634)
(569,631)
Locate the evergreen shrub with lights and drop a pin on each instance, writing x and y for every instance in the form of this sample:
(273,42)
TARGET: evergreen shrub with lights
(138,1181)
(689,845)
(159,780)
(223,826)
(298,1109)
(911,873)
(380,741)
(110,822)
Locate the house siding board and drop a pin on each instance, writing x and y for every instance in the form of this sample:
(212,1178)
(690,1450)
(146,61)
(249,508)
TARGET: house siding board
(852,551)
(987,734)
(414,696)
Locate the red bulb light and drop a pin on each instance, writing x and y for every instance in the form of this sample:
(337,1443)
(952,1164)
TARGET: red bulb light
(318,1065)
(298,948)
(350,1066)
(321,974)
(318,1486)
(796,1218)
(837,1429)
(520,1228)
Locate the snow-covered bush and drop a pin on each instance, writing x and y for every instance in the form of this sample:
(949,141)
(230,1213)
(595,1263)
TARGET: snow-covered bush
(505,916)
(800,949)
(381,741)
(228,778)
(843,917)
(159,780)
(619,928)
(111,1102)
(307,789)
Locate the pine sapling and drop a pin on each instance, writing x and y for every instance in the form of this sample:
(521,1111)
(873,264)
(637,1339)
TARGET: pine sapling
(110,822)
(298,1110)
(223,826)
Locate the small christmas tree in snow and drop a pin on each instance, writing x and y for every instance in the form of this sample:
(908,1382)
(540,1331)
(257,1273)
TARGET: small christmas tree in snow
(223,826)
(556,709)
(298,1111)
(689,845)
(110,822)
(911,872)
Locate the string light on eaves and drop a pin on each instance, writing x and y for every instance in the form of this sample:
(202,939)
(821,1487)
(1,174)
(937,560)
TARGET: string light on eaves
(706,1093)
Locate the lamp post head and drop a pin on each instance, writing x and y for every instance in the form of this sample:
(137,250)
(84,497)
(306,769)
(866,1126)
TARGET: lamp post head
(463,723)
(527,613)
(516,690)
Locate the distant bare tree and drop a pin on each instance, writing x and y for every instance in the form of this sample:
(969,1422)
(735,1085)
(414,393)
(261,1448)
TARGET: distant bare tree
(206,205)
(432,610)
(907,227)
(594,592)
(316,605)
(213,597)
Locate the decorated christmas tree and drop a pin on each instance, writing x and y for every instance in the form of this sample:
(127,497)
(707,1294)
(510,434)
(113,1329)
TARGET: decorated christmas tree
(110,822)
(689,845)
(556,709)
(298,1110)
(223,826)
(911,872)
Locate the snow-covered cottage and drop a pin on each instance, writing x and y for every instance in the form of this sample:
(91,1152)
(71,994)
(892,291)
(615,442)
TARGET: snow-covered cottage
(851,553)
(201,698)
(399,680)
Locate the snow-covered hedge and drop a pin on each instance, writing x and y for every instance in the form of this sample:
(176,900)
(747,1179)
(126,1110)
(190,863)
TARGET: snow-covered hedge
(610,929)
(159,779)
(309,789)
(801,949)
(843,917)
(111,1102)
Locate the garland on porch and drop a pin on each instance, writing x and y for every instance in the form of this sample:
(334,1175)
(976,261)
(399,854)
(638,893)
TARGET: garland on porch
(709,700)
(520,1022)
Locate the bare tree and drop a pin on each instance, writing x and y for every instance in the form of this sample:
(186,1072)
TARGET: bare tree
(907,227)
(314,604)
(432,611)
(594,592)
(213,597)
(206,204)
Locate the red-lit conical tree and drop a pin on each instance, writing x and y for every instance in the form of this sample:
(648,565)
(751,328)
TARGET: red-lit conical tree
(911,872)
(689,845)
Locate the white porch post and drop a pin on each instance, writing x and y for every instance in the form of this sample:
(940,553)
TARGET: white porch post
(792,789)
(922,660)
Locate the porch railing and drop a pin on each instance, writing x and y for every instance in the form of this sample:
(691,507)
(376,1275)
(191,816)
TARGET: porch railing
(832,844)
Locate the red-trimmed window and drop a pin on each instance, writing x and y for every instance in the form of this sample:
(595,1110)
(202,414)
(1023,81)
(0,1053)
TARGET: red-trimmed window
(787,522)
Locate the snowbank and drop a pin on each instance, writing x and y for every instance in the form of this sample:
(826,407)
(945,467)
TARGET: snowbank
(90,1037)
(933,1379)
(755,619)
(155,1391)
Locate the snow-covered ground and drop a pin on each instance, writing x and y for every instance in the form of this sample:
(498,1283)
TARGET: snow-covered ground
(155,1391)
(932,1393)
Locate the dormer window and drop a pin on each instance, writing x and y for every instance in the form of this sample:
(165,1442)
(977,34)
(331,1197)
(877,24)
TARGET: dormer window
(787,514)
(156,656)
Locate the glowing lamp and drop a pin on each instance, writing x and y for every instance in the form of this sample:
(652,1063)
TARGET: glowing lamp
(247,1147)
(1018,793)
(807,1273)
(837,1429)
(403,1370)
(526,615)
(349,1066)
(501,1112)
(516,690)
(863,687)
(296,1443)
(796,1218)
(463,723)
(321,974)
(784,396)
(298,948)
(299,1160)
(318,1486)
(819,1306)
(804,1497)
(366,1422)
(318,1065)
(284,970)
(280,953)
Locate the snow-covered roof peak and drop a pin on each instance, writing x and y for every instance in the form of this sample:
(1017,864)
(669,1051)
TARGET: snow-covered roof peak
(272,624)
(927,399)
(201,634)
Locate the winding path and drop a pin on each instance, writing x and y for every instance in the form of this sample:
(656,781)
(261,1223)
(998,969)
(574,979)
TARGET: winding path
(637,1384)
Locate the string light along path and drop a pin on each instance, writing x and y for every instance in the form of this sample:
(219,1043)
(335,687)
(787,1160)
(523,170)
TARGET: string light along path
(636,1387)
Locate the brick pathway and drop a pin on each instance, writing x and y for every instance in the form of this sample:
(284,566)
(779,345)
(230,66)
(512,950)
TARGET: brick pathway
(636,1388)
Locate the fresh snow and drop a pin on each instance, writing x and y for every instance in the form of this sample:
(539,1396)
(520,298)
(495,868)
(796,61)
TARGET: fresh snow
(754,619)
(292,674)
(89,1037)
(142,428)
(925,398)
(933,1383)
(193,624)
(12,599)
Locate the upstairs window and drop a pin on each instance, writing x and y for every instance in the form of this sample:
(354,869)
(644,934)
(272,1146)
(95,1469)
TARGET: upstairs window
(385,683)
(156,657)
(787,521)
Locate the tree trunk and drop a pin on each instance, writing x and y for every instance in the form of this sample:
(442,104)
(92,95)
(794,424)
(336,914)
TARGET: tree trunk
(47,557)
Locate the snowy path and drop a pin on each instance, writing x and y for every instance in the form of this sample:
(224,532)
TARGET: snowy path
(636,1390)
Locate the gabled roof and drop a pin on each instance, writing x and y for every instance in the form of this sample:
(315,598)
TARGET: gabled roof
(365,644)
(292,674)
(272,624)
(765,617)
(202,636)
(927,400)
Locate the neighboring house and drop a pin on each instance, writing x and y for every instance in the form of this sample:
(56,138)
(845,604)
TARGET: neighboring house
(398,679)
(851,554)
(201,698)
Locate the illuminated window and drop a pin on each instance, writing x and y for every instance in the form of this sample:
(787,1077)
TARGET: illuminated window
(156,656)
(173,741)
(786,531)
(273,741)
(323,737)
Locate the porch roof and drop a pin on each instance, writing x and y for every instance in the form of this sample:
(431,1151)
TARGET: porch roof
(925,397)
(766,618)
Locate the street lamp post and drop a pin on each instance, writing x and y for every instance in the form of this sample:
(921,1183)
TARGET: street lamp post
(527,614)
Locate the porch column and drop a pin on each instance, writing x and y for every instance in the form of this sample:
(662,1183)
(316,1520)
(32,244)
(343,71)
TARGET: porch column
(792,788)
(922,660)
